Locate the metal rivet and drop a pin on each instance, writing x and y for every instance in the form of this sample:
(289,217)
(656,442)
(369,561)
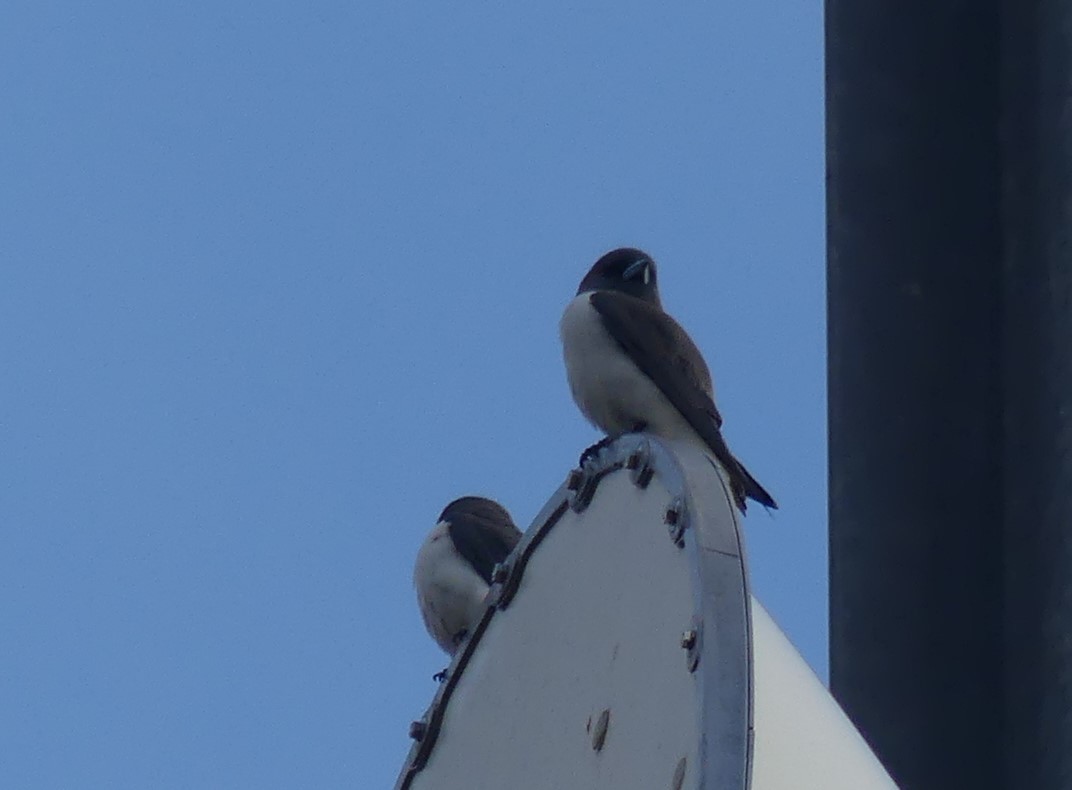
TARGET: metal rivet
(675,519)
(583,486)
(599,732)
(417,730)
(499,573)
(679,774)
(690,643)
(639,465)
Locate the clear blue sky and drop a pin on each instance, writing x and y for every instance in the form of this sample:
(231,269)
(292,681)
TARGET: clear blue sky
(281,279)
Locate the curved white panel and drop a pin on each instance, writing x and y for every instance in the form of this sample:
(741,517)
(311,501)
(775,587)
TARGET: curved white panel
(803,739)
(617,652)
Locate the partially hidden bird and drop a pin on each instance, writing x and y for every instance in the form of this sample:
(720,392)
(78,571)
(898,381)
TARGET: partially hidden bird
(452,573)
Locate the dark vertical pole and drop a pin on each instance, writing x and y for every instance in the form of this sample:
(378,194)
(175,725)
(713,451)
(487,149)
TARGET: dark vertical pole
(1037,183)
(950,350)
(914,279)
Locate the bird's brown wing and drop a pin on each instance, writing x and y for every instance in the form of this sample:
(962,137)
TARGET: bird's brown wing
(665,353)
(483,541)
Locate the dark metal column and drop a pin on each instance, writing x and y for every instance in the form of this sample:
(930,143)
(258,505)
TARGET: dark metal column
(916,457)
(1037,184)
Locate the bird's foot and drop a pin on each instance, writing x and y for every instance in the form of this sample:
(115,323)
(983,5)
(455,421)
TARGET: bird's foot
(593,452)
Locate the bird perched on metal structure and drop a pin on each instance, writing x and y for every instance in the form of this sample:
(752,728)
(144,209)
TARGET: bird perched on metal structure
(452,573)
(631,367)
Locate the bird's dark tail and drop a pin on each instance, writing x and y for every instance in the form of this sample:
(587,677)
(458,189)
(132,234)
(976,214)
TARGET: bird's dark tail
(744,487)
(742,484)
(753,490)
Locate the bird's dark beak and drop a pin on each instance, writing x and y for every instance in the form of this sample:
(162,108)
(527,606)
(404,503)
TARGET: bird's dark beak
(635,269)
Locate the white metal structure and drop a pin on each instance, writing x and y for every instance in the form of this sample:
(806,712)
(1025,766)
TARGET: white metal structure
(619,651)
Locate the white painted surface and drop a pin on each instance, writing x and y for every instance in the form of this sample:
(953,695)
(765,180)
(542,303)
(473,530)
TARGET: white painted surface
(803,739)
(596,626)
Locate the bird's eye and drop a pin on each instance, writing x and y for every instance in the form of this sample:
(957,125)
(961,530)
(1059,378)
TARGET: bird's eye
(635,268)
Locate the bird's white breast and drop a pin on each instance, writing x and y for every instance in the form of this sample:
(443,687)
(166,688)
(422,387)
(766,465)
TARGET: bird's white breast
(449,592)
(609,388)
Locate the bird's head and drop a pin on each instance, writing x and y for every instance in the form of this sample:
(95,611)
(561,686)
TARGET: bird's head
(627,270)
(476,508)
